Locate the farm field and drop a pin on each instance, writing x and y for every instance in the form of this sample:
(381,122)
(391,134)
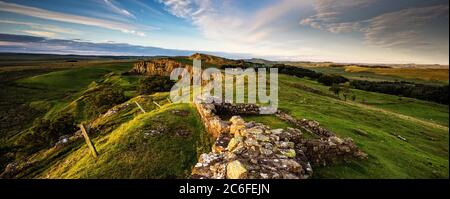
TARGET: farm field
(423,76)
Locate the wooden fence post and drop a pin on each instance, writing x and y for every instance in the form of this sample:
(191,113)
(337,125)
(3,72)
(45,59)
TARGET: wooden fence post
(140,107)
(156,104)
(88,141)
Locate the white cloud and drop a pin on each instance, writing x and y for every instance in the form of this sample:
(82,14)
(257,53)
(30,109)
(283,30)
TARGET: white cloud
(141,34)
(48,28)
(180,8)
(40,33)
(69,18)
(235,29)
(118,10)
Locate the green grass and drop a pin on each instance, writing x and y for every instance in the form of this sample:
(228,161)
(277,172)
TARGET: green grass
(424,155)
(428,111)
(68,85)
(166,155)
(73,79)
(28,94)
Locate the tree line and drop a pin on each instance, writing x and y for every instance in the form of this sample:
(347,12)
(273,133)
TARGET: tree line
(433,93)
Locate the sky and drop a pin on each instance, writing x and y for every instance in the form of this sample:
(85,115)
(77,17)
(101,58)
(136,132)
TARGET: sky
(357,31)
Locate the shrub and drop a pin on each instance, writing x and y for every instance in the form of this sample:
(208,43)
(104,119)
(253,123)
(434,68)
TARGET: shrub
(331,79)
(155,83)
(45,133)
(103,98)
(297,71)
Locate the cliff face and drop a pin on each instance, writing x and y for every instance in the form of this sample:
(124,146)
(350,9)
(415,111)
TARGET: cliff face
(162,67)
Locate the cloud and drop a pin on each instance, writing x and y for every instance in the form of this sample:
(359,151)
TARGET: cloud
(118,10)
(40,33)
(225,22)
(42,44)
(181,8)
(68,18)
(407,28)
(49,28)
(9,43)
(334,15)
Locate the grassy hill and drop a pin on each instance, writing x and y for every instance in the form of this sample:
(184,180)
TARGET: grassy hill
(375,126)
(130,151)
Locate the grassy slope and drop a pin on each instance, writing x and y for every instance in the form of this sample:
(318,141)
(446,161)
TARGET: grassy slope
(427,111)
(70,84)
(40,92)
(166,155)
(74,79)
(29,94)
(424,155)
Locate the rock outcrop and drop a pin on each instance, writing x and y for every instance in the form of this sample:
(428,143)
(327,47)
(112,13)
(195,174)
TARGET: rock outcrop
(161,67)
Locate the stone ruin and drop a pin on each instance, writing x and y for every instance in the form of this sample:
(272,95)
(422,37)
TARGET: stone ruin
(250,150)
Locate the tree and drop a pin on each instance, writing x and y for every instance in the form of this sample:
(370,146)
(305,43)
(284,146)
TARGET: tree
(345,92)
(336,89)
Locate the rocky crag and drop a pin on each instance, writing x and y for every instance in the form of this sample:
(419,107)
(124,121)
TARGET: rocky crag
(161,67)
(249,150)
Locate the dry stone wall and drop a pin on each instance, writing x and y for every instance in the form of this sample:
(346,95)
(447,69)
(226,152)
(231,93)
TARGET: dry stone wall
(250,150)
(253,151)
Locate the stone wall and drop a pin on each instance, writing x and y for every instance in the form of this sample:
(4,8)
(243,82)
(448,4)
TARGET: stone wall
(249,150)
(236,109)
(308,125)
(213,124)
(325,151)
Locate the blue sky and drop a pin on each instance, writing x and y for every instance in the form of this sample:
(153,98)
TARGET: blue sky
(371,31)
